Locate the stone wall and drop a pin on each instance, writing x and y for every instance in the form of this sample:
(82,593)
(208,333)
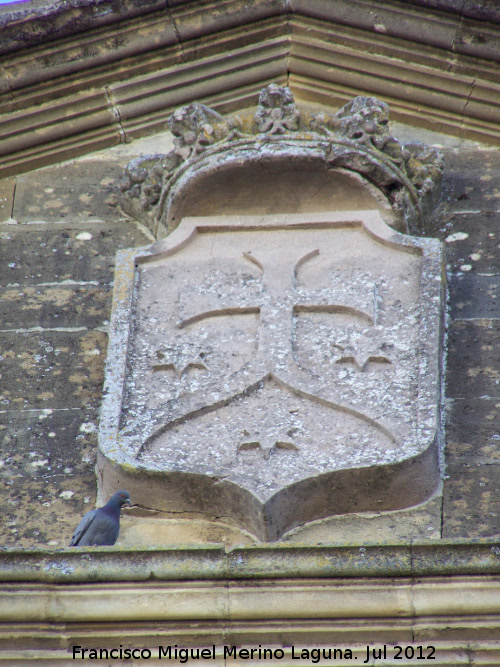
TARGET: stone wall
(60,232)
(60,229)
(471,229)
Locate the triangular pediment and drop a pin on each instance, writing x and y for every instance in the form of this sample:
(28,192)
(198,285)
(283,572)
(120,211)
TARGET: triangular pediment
(75,80)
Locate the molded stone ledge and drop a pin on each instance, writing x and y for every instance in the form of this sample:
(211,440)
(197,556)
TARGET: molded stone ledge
(34,22)
(91,51)
(167,89)
(245,601)
(450,558)
(394,18)
(446,596)
(43,78)
(62,148)
(194,19)
(431,26)
(224,634)
(79,114)
(443,20)
(225,101)
(481,10)
(335,94)
(346,65)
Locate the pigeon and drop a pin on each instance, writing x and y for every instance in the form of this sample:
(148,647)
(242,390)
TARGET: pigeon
(101,526)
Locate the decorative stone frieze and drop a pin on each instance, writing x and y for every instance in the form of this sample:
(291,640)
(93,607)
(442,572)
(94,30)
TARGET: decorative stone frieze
(275,370)
(355,138)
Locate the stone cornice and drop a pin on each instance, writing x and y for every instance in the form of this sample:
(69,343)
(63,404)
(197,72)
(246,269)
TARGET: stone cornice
(114,71)
(445,595)
(246,601)
(450,558)
(455,619)
(34,23)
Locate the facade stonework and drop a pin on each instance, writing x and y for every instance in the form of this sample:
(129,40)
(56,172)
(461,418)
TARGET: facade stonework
(88,90)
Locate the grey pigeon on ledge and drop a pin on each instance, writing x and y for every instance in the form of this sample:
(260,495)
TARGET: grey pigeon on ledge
(102,526)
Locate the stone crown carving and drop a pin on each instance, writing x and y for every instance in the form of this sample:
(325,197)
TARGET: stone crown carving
(356,138)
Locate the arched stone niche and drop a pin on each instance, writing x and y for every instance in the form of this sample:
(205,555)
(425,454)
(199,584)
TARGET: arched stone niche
(279,186)
(278,363)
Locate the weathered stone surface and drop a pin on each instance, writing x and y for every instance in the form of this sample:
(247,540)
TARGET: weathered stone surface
(62,305)
(477,39)
(6,199)
(247,566)
(471,504)
(291,344)
(25,25)
(146,101)
(63,193)
(77,113)
(51,369)
(91,56)
(266,188)
(439,30)
(473,431)
(46,473)
(55,281)
(55,254)
(422,523)
(59,148)
(472,243)
(466,180)
(163,530)
(474,296)
(140,528)
(472,367)
(190,22)
(243,600)
(376,64)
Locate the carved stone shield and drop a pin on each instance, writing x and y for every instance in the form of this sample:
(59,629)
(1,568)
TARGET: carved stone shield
(275,370)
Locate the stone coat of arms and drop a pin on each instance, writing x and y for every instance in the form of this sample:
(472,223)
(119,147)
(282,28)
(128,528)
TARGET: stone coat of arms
(275,369)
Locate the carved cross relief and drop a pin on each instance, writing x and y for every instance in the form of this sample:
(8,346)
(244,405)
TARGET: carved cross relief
(277,366)
(277,301)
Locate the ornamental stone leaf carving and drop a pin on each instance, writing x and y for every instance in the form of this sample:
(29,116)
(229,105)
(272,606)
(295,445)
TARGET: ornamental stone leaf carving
(277,113)
(275,369)
(356,138)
